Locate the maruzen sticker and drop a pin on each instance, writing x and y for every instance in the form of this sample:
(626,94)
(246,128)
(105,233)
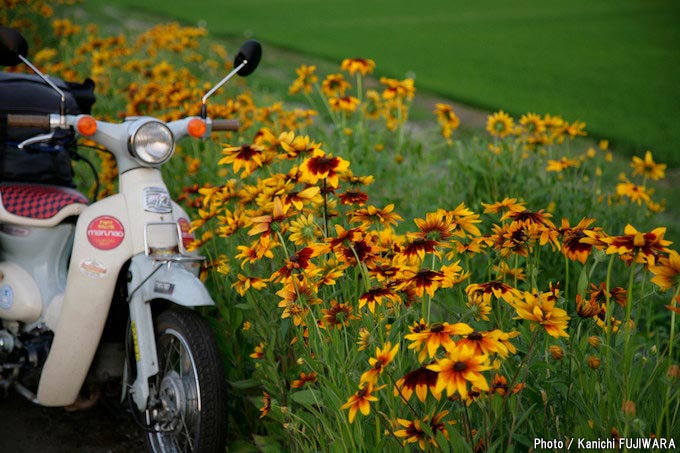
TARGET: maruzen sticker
(105,232)
(185,227)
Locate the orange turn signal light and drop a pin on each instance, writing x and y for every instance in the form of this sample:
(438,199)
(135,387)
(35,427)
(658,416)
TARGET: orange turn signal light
(86,126)
(196,127)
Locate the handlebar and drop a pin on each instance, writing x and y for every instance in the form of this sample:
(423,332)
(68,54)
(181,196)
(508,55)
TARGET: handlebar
(225,125)
(33,121)
(44,122)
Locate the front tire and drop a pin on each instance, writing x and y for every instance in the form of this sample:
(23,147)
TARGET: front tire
(189,389)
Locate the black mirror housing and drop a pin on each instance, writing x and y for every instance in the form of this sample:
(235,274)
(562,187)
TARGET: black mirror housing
(250,53)
(12,46)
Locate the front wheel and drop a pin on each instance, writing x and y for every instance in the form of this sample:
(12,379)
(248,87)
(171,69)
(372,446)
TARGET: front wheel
(188,393)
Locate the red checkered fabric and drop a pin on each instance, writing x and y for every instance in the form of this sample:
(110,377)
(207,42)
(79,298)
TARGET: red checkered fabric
(37,201)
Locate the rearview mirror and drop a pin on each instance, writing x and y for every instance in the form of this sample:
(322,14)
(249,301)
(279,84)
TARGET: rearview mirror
(12,47)
(250,53)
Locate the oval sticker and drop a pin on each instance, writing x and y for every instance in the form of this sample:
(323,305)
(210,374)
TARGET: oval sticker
(185,227)
(105,232)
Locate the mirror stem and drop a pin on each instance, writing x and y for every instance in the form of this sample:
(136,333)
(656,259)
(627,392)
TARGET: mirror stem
(62,106)
(204,109)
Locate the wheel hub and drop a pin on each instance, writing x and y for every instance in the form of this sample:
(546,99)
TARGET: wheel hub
(173,398)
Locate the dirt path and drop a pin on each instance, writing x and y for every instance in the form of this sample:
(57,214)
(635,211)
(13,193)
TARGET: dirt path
(28,428)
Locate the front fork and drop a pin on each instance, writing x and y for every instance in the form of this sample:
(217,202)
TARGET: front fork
(142,333)
(151,279)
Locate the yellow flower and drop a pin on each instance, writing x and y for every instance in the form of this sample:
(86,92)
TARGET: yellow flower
(324,166)
(304,378)
(258,353)
(266,404)
(378,363)
(361,65)
(495,288)
(361,400)
(373,215)
(258,249)
(648,168)
(533,124)
(460,366)
(487,342)
(372,106)
(334,85)
(667,272)
(338,316)
(297,145)
(347,104)
(575,129)
(414,431)
(246,157)
(479,307)
(306,78)
(562,164)
(375,295)
(436,335)
(636,193)
(364,338)
(541,310)
(244,283)
(447,119)
(398,89)
(500,124)
(633,244)
(508,204)
(304,230)
(419,380)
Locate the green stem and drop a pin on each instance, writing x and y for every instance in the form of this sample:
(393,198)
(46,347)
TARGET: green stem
(608,333)
(667,400)
(566,281)
(627,356)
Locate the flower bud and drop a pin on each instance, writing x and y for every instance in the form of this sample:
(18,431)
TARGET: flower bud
(629,408)
(556,352)
(593,362)
(594,341)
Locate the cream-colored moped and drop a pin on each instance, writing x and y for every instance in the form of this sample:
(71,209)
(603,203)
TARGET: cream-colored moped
(69,270)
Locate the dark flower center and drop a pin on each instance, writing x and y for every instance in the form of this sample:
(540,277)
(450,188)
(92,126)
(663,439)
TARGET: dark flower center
(475,336)
(459,366)
(437,328)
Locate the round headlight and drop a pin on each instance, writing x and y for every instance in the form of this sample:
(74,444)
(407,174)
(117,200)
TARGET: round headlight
(152,143)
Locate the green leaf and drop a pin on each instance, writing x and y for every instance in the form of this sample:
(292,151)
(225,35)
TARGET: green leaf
(245,384)
(308,398)
(582,281)
(242,447)
(267,444)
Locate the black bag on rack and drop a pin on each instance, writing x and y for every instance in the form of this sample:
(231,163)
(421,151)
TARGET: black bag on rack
(45,162)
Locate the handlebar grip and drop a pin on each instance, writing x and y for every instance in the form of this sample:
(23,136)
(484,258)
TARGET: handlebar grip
(225,125)
(34,121)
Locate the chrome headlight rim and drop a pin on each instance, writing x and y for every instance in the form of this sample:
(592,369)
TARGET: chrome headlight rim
(151,143)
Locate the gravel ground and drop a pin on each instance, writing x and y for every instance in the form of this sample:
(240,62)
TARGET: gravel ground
(105,428)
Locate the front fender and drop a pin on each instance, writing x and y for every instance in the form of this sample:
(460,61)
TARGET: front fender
(172,282)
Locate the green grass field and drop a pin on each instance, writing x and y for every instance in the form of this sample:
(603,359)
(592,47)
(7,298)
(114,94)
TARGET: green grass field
(614,64)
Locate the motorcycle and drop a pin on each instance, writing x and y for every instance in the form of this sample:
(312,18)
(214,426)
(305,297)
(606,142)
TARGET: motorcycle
(107,290)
